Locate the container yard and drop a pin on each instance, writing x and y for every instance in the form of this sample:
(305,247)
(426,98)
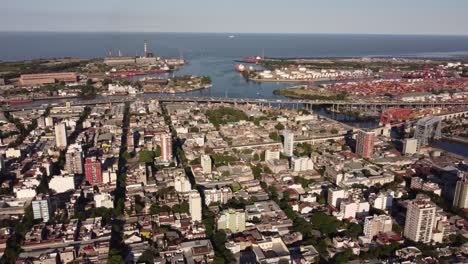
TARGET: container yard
(398,86)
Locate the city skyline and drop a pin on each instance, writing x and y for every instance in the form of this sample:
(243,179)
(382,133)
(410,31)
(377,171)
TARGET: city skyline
(305,17)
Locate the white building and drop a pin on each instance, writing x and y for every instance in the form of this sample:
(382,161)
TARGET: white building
(109,176)
(288,144)
(195,205)
(41,208)
(25,193)
(61,135)
(233,220)
(410,146)
(205,161)
(272,155)
(382,201)
(353,208)
(373,225)
(74,159)
(61,184)
(12,153)
(420,217)
(103,200)
(116,89)
(222,195)
(301,164)
(49,122)
(335,196)
(461,194)
(182,183)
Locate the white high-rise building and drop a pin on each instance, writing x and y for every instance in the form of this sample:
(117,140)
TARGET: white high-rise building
(301,164)
(41,208)
(335,196)
(182,183)
(382,201)
(61,135)
(195,205)
(205,161)
(288,144)
(233,220)
(420,218)
(74,159)
(460,199)
(373,225)
(410,146)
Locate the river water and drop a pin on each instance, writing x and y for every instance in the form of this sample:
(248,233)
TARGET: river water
(215,54)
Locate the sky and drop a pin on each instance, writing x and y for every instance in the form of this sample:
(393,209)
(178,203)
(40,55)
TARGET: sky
(428,17)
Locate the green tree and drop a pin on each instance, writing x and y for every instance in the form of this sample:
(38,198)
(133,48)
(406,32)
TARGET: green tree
(88,91)
(279,126)
(181,208)
(156,209)
(257,171)
(223,115)
(157,152)
(146,156)
(343,257)
(275,136)
(353,230)
(206,80)
(148,256)
(115,259)
(325,223)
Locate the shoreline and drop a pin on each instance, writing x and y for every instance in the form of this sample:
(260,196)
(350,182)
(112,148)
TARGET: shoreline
(286,92)
(289,81)
(74,97)
(456,139)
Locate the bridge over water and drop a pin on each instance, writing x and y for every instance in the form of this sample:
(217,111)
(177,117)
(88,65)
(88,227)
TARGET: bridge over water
(297,103)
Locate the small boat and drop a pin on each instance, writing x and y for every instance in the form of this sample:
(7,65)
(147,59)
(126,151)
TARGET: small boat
(232,36)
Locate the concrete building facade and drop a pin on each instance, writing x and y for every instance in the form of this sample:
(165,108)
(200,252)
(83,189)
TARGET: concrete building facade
(365,144)
(288,145)
(420,218)
(232,220)
(195,205)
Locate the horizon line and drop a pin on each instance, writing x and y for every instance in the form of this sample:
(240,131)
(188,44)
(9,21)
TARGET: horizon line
(233,33)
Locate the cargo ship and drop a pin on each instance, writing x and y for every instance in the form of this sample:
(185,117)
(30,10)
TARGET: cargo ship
(243,68)
(257,59)
(15,101)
